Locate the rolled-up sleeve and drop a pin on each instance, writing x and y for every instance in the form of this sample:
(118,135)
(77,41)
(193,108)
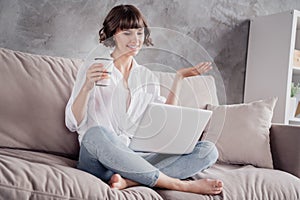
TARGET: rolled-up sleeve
(70,119)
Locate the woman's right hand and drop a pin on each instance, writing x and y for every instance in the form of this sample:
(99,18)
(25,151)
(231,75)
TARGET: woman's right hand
(95,73)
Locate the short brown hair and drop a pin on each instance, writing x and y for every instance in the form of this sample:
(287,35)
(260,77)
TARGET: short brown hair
(123,17)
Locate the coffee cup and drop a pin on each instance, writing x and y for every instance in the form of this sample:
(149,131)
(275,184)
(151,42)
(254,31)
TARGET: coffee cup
(108,66)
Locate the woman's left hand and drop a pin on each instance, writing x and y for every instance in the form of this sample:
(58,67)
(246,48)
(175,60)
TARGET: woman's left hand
(198,69)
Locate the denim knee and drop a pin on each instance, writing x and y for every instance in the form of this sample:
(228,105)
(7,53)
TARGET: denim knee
(94,133)
(99,134)
(94,138)
(209,151)
(89,163)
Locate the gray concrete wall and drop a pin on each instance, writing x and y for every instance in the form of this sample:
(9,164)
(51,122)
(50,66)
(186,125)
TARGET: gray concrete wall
(69,28)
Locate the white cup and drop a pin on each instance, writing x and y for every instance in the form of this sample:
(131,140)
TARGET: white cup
(108,65)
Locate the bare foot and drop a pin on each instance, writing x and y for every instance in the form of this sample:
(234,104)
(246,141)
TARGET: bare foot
(117,182)
(204,186)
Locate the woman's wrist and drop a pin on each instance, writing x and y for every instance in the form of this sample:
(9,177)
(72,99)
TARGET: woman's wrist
(179,76)
(86,88)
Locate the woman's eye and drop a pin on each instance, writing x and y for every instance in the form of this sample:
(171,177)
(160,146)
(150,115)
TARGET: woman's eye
(140,33)
(126,33)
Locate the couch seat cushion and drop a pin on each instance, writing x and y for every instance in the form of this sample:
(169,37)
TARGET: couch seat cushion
(245,182)
(36,179)
(38,157)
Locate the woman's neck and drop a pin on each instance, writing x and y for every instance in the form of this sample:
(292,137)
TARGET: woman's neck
(122,62)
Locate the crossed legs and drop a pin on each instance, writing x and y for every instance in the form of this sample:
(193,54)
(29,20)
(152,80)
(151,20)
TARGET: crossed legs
(103,155)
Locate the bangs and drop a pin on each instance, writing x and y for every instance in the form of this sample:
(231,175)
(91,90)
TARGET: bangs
(120,18)
(131,20)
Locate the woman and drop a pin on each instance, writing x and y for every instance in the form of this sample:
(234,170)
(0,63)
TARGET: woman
(98,114)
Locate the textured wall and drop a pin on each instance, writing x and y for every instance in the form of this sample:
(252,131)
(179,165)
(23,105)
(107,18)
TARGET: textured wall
(69,28)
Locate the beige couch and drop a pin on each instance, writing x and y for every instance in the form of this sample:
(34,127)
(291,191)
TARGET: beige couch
(38,154)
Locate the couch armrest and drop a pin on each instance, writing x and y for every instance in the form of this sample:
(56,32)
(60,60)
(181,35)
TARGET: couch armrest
(285,141)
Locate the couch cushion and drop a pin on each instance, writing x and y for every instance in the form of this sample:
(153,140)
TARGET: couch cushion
(244,182)
(285,148)
(38,157)
(241,132)
(34,92)
(22,179)
(196,92)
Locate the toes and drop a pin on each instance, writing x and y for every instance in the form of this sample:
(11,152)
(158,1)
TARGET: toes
(217,192)
(217,186)
(217,189)
(219,183)
(114,179)
(115,185)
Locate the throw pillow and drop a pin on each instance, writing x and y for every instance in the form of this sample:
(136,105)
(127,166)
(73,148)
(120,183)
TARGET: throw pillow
(241,132)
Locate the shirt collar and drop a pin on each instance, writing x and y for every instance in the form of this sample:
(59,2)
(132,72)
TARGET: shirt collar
(116,75)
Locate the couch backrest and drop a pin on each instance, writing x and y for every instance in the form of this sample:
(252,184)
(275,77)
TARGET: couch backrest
(34,91)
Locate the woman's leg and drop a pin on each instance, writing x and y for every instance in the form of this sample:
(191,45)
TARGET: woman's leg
(117,157)
(203,156)
(103,154)
(89,163)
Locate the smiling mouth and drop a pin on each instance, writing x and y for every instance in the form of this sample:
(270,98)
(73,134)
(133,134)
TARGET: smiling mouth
(133,47)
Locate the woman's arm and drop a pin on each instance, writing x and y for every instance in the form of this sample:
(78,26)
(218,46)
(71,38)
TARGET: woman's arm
(79,106)
(182,73)
(175,90)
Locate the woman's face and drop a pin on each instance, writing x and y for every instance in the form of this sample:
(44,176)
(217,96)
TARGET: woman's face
(129,41)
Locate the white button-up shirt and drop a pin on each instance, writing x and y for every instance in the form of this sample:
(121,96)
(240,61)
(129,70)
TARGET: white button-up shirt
(109,106)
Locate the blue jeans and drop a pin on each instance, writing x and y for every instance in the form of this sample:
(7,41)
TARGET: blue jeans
(103,154)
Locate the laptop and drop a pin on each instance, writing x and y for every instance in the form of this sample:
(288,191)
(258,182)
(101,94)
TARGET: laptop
(169,129)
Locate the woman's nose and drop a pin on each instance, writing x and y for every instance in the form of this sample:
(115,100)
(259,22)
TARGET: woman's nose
(135,37)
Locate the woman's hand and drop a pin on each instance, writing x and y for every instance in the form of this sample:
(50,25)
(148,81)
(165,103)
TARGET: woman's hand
(198,69)
(95,73)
